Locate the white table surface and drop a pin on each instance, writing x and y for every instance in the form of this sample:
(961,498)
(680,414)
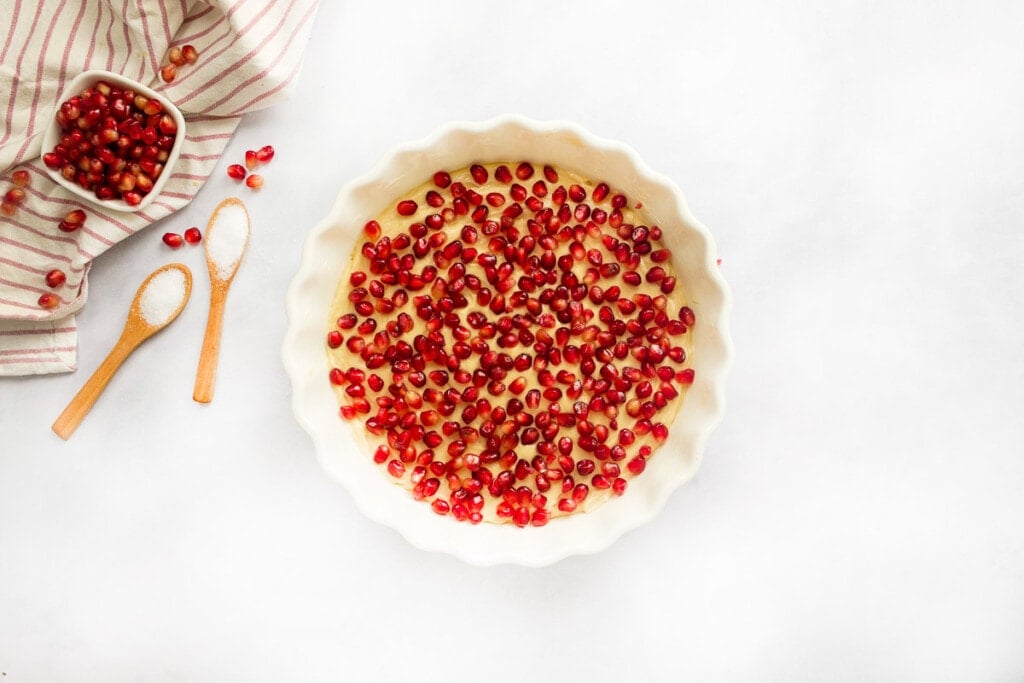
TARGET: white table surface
(860,512)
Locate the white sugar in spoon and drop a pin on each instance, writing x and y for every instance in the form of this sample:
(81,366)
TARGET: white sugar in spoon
(227,235)
(159,300)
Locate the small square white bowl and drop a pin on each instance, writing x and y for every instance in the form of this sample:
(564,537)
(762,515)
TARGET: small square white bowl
(53,132)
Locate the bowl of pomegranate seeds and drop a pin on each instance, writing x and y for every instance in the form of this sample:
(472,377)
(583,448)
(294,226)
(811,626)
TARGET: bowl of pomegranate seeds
(509,341)
(113,141)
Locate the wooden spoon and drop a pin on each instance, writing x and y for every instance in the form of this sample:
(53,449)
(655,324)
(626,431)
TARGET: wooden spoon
(227,235)
(152,310)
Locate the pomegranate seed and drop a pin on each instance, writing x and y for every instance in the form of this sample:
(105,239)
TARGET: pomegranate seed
(479,174)
(660,255)
(168,72)
(167,126)
(20,178)
(55,278)
(254,182)
(190,54)
(172,239)
(442,179)
(372,229)
(251,161)
(193,236)
(48,301)
(175,56)
(659,431)
(502,174)
(75,217)
(334,339)
(406,207)
(236,171)
(524,171)
(265,154)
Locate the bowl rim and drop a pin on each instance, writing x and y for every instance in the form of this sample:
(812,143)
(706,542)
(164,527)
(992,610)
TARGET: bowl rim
(535,555)
(52,133)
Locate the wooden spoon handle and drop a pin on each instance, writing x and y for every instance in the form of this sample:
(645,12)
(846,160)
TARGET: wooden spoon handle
(206,375)
(82,403)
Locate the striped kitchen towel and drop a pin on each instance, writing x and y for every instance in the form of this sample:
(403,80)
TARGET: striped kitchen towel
(249,53)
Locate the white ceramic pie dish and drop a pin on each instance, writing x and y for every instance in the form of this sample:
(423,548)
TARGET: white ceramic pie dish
(343,453)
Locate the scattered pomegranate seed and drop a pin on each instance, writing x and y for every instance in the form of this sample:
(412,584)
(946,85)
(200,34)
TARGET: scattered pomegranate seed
(237,171)
(512,362)
(265,154)
(15,195)
(8,208)
(175,56)
(172,239)
(251,161)
(168,72)
(254,181)
(55,278)
(193,235)
(49,301)
(190,54)
(74,220)
(20,178)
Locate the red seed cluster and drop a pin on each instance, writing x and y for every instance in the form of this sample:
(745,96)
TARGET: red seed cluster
(114,142)
(514,349)
(174,240)
(253,158)
(178,56)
